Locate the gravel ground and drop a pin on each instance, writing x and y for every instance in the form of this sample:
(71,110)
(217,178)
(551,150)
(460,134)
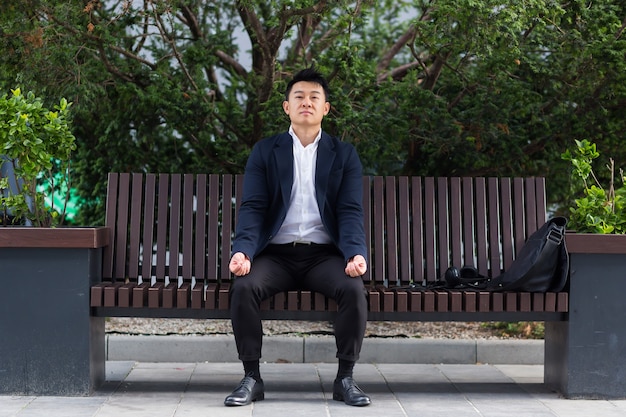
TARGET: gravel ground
(426,330)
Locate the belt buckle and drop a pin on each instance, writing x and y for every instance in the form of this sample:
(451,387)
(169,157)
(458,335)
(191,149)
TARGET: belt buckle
(300,242)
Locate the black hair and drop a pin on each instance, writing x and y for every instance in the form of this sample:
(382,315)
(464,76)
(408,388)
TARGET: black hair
(309,75)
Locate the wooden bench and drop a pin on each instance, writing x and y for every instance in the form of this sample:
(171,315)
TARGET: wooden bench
(171,238)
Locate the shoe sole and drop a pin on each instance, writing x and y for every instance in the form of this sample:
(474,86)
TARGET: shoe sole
(259,397)
(339,397)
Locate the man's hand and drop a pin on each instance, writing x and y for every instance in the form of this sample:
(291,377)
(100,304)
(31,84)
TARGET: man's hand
(356,266)
(239,264)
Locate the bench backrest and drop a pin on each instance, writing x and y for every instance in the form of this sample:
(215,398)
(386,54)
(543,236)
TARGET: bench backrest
(176,228)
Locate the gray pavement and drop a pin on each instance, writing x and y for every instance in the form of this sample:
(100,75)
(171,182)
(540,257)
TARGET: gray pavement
(193,389)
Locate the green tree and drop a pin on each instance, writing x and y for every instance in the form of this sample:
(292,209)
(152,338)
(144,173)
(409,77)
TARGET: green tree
(423,87)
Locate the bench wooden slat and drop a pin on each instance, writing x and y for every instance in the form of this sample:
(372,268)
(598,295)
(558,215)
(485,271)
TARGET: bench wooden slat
(148,226)
(388,299)
(107,253)
(531,212)
(223,299)
(484,301)
(525,302)
(429,301)
(430,243)
(455,216)
(121,232)
(228,224)
(199,269)
(467,196)
(374,301)
(404,236)
(391,235)
(417,230)
(480,206)
(379,260)
(161,227)
(293,300)
(493,226)
(470,303)
(211,297)
(183,295)
(124,295)
(169,296)
(197,296)
(367,220)
(538,302)
(510,302)
(213,233)
(134,236)
(443,226)
(506,210)
(497,302)
(519,212)
(174,226)
(401,301)
(306,301)
(455,301)
(188,229)
(140,295)
(97,294)
(415,302)
(562,302)
(110,294)
(155,295)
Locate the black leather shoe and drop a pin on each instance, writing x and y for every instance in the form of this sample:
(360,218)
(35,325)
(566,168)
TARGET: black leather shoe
(247,391)
(347,390)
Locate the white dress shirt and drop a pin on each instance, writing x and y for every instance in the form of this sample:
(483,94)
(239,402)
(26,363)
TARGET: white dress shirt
(303,222)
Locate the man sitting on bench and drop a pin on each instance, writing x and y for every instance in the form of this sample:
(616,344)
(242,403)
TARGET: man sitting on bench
(300,226)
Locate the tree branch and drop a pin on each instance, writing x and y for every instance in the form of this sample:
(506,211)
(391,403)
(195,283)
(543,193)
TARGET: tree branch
(621,30)
(99,41)
(408,36)
(171,41)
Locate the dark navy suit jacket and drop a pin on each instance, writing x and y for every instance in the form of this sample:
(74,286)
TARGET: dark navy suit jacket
(267,187)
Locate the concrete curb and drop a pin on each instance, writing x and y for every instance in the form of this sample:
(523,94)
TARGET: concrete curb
(320,349)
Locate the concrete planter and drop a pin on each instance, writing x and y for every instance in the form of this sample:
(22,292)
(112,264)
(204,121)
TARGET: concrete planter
(586,356)
(49,343)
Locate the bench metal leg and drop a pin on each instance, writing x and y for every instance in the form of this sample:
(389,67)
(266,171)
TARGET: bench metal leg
(586,356)
(49,343)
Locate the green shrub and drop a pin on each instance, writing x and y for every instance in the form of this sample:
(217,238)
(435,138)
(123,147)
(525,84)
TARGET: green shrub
(600,209)
(38,144)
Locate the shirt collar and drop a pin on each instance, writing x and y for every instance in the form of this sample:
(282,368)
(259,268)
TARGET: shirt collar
(295,137)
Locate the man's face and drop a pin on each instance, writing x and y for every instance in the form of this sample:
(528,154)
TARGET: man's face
(307,104)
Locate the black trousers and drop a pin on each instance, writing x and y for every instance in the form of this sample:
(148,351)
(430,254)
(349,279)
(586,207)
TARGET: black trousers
(318,268)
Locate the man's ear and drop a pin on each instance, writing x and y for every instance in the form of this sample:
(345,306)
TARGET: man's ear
(286,106)
(326,108)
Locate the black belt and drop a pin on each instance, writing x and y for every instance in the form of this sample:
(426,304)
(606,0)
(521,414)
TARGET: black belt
(300,243)
(296,243)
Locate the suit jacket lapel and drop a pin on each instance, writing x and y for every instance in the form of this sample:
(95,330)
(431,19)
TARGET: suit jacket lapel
(283,154)
(325,158)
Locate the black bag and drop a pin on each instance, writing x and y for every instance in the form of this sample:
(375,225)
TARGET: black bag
(541,266)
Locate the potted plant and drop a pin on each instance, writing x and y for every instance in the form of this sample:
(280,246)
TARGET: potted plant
(47,270)
(595,332)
